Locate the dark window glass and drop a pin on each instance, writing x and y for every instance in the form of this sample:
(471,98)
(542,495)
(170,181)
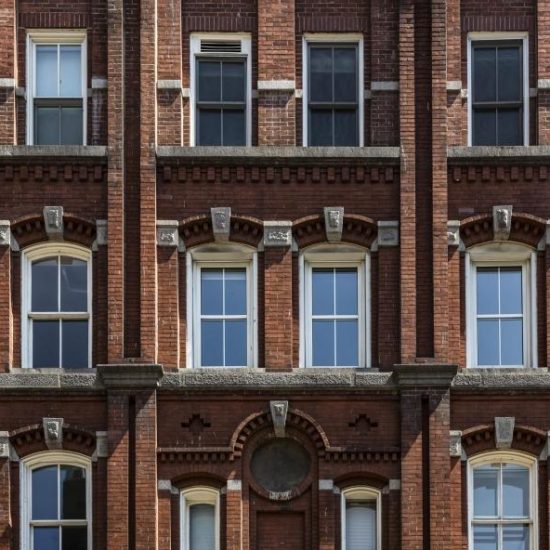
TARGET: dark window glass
(333,95)
(234,130)
(44,285)
(233,81)
(45,538)
(45,344)
(209,81)
(47,126)
(71,126)
(73,492)
(202,527)
(497,102)
(44,493)
(75,344)
(74,284)
(210,127)
(75,538)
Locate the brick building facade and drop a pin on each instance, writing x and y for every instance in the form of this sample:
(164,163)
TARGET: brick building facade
(371,182)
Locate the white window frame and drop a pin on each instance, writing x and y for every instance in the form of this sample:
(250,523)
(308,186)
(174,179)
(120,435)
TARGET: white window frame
(333,38)
(50,37)
(195,52)
(335,256)
(362,492)
(500,36)
(507,254)
(51,458)
(198,495)
(228,255)
(42,251)
(508,457)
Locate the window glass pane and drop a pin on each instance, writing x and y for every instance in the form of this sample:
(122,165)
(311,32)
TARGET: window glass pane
(73,492)
(509,74)
(70,84)
(235,343)
(211,291)
(45,344)
(485,127)
(360,526)
(46,71)
(485,492)
(485,81)
(347,344)
(234,128)
(233,81)
(202,527)
(45,538)
(345,74)
(209,80)
(510,127)
(515,496)
(320,127)
(485,537)
(235,291)
(346,291)
(512,341)
(320,74)
(323,343)
(44,493)
(75,344)
(487,342)
(74,284)
(47,126)
(487,290)
(515,537)
(210,127)
(71,126)
(322,298)
(345,127)
(212,343)
(74,538)
(44,285)
(510,290)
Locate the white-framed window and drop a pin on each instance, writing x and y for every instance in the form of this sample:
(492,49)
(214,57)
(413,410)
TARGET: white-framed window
(498,88)
(333,95)
(335,306)
(361,515)
(56,290)
(222,306)
(501,306)
(56,87)
(502,501)
(200,519)
(56,501)
(221,89)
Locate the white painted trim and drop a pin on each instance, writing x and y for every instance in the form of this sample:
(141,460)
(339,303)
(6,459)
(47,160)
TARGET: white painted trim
(479,36)
(51,458)
(195,51)
(45,250)
(507,457)
(361,493)
(198,495)
(38,37)
(333,37)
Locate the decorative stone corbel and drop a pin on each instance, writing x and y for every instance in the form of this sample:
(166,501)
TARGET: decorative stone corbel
(234,485)
(334,223)
(502,221)
(455,443)
(164,485)
(53,432)
(388,233)
(326,485)
(221,223)
(395,485)
(101,232)
(279,410)
(101,445)
(5,233)
(4,445)
(504,431)
(453,232)
(278,233)
(53,221)
(167,233)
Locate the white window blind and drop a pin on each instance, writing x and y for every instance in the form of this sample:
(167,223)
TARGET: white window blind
(202,527)
(360,525)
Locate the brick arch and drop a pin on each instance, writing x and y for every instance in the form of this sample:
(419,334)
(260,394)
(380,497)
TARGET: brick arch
(526,229)
(31,230)
(30,439)
(197,230)
(357,229)
(262,420)
(481,438)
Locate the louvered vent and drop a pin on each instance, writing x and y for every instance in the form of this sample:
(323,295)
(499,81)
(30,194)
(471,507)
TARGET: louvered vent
(217,46)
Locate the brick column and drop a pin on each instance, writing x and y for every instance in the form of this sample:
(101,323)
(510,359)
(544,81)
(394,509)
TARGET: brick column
(394,516)
(5,495)
(276,73)
(6,319)
(408,180)
(328,514)
(8,72)
(115,175)
(165,515)
(454,74)
(234,515)
(543,71)
(278,295)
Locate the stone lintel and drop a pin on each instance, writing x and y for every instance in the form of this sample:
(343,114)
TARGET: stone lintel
(14,152)
(130,375)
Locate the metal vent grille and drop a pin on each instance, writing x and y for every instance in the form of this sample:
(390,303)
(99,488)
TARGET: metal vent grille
(217,46)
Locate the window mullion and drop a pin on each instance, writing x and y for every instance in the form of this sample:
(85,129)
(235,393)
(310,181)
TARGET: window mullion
(223,313)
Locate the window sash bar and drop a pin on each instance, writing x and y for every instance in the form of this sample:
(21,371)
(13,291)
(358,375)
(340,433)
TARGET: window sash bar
(58,316)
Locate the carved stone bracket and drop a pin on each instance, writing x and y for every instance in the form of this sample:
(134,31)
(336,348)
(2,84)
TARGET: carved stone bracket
(53,221)
(167,233)
(53,432)
(279,410)
(5,233)
(277,233)
(453,232)
(504,431)
(101,446)
(388,233)
(502,222)
(455,443)
(221,223)
(101,232)
(4,445)
(334,223)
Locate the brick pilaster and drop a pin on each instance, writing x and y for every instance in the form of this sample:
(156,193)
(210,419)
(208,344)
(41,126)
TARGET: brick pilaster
(543,71)
(6,319)
(394,519)
(165,518)
(169,299)
(454,74)
(234,518)
(329,514)
(8,71)
(386,306)
(5,509)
